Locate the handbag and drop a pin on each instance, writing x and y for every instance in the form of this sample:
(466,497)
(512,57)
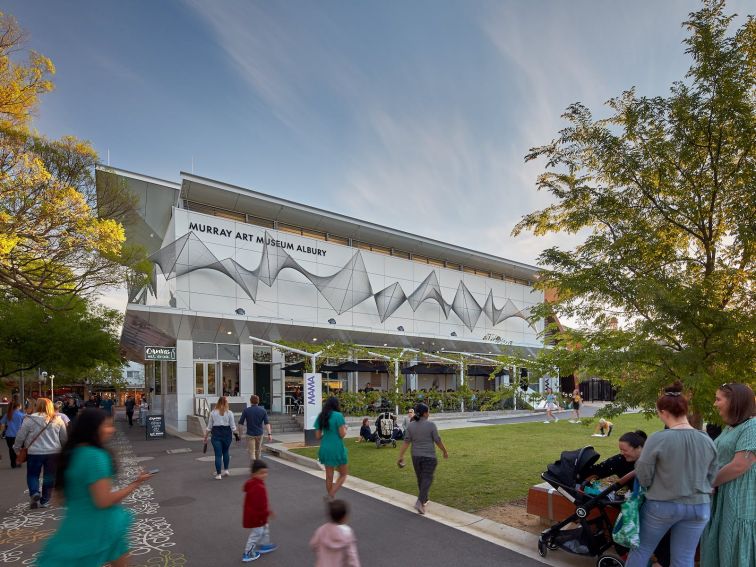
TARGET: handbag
(23,452)
(626,530)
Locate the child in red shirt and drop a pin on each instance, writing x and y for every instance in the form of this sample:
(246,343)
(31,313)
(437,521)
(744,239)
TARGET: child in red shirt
(257,513)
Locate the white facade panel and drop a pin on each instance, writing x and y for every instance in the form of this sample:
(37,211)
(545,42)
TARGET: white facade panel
(340,285)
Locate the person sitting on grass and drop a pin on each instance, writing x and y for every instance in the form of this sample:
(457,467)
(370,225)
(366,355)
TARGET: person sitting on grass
(365,433)
(604,428)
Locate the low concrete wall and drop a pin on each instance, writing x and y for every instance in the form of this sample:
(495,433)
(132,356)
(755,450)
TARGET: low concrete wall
(196,424)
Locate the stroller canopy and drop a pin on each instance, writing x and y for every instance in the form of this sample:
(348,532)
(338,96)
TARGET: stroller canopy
(571,465)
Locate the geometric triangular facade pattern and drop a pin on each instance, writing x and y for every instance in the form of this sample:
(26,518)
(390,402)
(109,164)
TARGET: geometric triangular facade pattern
(343,290)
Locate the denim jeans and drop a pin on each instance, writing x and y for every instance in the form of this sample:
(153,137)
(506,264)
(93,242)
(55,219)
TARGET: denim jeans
(257,537)
(221,446)
(36,464)
(424,469)
(686,522)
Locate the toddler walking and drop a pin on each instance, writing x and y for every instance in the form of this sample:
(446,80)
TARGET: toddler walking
(334,543)
(257,513)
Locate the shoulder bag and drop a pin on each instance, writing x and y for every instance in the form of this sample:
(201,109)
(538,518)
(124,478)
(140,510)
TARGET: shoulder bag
(23,452)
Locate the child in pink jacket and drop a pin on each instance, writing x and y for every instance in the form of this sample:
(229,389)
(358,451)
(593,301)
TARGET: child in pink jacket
(334,543)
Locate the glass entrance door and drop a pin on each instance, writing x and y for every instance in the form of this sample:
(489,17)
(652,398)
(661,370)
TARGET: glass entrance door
(262,384)
(206,378)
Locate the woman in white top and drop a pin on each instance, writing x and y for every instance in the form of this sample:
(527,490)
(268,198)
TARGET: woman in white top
(43,434)
(221,426)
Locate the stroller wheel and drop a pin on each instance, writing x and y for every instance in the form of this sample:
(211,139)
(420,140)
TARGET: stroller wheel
(552,545)
(542,549)
(609,561)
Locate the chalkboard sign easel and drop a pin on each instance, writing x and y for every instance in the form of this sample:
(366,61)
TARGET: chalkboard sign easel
(155,427)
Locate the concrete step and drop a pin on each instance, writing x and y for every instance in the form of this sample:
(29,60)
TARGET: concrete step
(287,429)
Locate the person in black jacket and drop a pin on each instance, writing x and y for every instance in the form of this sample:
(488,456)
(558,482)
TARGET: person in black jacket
(630,447)
(130,404)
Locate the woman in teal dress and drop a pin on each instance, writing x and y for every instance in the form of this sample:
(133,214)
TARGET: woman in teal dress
(730,537)
(95,527)
(331,428)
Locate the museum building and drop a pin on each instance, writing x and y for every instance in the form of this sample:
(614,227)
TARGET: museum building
(234,267)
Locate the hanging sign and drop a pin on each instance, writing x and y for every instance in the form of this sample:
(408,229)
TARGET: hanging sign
(160,353)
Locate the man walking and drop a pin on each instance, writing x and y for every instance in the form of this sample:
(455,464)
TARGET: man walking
(129,405)
(255,417)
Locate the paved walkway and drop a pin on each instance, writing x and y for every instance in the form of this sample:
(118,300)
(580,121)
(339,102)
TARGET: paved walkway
(185,517)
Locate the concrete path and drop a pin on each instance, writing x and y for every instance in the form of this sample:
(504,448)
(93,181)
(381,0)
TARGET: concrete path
(185,517)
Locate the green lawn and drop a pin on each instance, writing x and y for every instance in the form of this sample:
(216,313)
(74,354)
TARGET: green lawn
(487,465)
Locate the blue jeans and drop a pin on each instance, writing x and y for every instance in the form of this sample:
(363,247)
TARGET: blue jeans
(35,465)
(686,521)
(221,446)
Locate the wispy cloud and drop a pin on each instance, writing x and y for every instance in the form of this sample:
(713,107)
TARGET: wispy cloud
(285,67)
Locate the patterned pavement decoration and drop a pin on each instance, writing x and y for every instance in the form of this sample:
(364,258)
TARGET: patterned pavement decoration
(150,535)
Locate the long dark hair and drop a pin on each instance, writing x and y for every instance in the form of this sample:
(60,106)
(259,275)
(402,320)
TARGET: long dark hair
(85,430)
(635,438)
(331,405)
(420,410)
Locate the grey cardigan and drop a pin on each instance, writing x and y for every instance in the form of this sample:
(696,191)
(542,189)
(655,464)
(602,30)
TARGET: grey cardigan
(49,442)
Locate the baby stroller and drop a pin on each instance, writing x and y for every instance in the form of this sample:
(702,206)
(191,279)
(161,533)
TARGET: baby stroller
(592,536)
(384,430)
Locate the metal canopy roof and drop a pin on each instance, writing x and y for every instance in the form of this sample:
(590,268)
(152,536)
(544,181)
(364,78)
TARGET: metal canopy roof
(239,199)
(161,326)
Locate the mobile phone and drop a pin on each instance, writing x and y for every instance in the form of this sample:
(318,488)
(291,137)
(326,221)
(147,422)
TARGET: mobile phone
(153,471)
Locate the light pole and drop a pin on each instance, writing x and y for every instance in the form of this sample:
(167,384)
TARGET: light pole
(52,387)
(42,378)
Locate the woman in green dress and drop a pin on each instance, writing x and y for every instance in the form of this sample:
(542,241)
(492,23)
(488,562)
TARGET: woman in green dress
(84,480)
(331,428)
(730,537)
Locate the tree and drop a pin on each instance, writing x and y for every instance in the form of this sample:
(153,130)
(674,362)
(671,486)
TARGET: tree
(58,237)
(665,188)
(81,341)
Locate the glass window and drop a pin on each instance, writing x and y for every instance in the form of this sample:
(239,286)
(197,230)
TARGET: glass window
(380,249)
(158,379)
(230,372)
(228,352)
(313,234)
(260,221)
(262,354)
(212,389)
(199,377)
(289,228)
(206,351)
(170,372)
(337,239)
(241,217)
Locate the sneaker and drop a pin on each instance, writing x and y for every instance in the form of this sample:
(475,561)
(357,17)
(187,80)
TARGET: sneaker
(250,556)
(556,420)
(218,477)
(419,507)
(34,501)
(44,504)
(226,473)
(547,421)
(267,548)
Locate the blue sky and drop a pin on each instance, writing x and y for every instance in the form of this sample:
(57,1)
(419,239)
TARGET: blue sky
(411,114)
